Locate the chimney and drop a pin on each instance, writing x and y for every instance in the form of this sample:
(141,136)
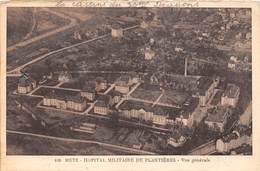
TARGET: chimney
(186,63)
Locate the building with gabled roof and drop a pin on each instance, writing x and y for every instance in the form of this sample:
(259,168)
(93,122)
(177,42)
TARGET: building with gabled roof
(88,91)
(115,95)
(116,31)
(101,84)
(241,135)
(158,115)
(65,101)
(123,84)
(26,84)
(230,96)
(218,118)
(149,54)
(102,105)
(64,76)
(205,89)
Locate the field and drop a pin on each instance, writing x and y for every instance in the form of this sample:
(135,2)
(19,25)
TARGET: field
(47,22)
(18,27)
(147,92)
(18,119)
(27,145)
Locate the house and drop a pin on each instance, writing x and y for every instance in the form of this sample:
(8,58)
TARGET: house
(205,89)
(135,110)
(102,105)
(123,84)
(116,31)
(241,135)
(101,84)
(232,62)
(115,95)
(26,84)
(217,118)
(135,77)
(144,25)
(161,115)
(230,96)
(64,76)
(231,65)
(76,103)
(185,116)
(179,136)
(233,58)
(88,91)
(149,54)
(65,102)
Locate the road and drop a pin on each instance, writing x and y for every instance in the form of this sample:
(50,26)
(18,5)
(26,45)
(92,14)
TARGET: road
(106,145)
(17,71)
(72,23)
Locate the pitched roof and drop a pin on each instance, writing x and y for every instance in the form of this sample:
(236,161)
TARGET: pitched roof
(25,80)
(89,87)
(65,97)
(203,84)
(103,101)
(114,93)
(131,104)
(123,80)
(231,91)
(218,114)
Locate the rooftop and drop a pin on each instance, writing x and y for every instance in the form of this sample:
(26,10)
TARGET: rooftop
(25,80)
(203,84)
(218,114)
(131,104)
(231,91)
(157,109)
(75,97)
(114,93)
(89,87)
(123,80)
(190,107)
(103,100)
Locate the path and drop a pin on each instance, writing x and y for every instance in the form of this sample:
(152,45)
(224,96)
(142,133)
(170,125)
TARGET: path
(17,71)
(72,23)
(158,99)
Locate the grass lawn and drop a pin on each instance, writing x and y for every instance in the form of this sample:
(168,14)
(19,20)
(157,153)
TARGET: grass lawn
(173,97)
(42,91)
(147,92)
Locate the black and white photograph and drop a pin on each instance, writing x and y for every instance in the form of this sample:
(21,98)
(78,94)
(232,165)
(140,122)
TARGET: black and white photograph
(128,81)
